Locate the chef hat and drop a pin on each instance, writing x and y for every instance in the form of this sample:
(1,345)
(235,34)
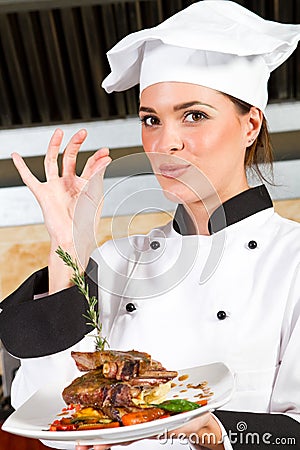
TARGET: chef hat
(213,43)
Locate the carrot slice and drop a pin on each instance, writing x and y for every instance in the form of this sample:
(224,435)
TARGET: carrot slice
(145,415)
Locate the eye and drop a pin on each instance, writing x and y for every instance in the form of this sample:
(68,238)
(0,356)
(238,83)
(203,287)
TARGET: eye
(194,116)
(149,121)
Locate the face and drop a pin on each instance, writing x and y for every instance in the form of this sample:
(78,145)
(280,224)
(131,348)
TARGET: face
(196,141)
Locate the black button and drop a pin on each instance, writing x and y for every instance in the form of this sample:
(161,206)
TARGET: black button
(252,245)
(155,245)
(221,315)
(130,307)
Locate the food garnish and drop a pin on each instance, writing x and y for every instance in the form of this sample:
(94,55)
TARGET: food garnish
(92,315)
(180,405)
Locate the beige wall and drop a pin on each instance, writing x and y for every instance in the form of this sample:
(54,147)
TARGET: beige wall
(24,249)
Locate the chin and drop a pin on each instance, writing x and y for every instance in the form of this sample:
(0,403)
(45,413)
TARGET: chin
(183,196)
(178,192)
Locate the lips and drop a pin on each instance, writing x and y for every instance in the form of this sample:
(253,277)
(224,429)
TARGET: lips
(173,170)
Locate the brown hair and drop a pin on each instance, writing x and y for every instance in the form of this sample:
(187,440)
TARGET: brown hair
(260,152)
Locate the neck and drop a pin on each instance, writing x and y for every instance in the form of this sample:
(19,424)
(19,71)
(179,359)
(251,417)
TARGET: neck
(200,212)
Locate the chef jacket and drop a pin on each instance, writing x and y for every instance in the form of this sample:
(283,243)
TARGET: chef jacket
(188,300)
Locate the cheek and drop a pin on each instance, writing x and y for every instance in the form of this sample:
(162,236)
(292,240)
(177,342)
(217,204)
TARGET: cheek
(148,141)
(215,142)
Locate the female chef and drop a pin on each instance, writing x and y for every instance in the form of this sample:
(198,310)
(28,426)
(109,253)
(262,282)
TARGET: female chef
(219,283)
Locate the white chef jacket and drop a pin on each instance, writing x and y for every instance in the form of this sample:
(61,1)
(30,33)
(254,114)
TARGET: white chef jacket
(248,270)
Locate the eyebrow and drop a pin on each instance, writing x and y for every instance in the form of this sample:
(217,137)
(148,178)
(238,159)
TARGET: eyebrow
(178,107)
(192,103)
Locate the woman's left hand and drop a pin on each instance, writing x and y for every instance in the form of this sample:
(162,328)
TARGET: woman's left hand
(98,447)
(94,447)
(203,431)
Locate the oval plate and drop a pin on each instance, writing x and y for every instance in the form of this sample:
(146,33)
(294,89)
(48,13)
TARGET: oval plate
(33,418)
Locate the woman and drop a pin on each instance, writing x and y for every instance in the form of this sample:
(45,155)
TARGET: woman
(220,283)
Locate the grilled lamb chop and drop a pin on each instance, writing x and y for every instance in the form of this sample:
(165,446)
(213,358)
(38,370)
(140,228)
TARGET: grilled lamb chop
(122,365)
(92,389)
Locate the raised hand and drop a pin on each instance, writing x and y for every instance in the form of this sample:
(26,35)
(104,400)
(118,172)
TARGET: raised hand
(70,203)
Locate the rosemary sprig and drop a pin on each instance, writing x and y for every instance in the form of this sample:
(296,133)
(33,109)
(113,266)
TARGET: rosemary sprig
(92,314)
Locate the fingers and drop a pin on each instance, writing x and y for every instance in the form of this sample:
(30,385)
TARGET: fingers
(94,447)
(194,428)
(50,162)
(69,155)
(29,179)
(71,152)
(96,163)
(101,447)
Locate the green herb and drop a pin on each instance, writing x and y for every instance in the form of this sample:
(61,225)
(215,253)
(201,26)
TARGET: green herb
(178,405)
(92,314)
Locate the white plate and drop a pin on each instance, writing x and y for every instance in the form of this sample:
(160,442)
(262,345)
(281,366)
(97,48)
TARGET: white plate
(33,418)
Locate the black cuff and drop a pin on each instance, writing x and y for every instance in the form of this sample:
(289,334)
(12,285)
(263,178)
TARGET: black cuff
(260,430)
(33,328)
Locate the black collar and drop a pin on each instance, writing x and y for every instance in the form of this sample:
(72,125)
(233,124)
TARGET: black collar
(233,210)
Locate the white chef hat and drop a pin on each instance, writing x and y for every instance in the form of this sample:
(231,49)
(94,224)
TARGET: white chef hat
(213,43)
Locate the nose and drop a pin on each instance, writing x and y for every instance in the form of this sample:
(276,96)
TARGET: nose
(170,139)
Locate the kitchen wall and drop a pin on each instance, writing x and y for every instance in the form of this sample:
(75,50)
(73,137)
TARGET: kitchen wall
(24,249)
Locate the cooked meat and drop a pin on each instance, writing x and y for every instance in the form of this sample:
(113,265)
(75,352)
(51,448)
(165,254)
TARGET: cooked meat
(87,360)
(116,380)
(93,360)
(91,389)
(122,365)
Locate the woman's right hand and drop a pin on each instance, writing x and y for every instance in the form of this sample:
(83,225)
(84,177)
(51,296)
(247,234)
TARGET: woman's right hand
(70,203)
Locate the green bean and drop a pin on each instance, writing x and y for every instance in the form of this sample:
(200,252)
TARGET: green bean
(178,405)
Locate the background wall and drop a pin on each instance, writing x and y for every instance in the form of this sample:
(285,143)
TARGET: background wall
(24,249)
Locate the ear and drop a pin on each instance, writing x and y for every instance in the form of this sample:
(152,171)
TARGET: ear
(253,125)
